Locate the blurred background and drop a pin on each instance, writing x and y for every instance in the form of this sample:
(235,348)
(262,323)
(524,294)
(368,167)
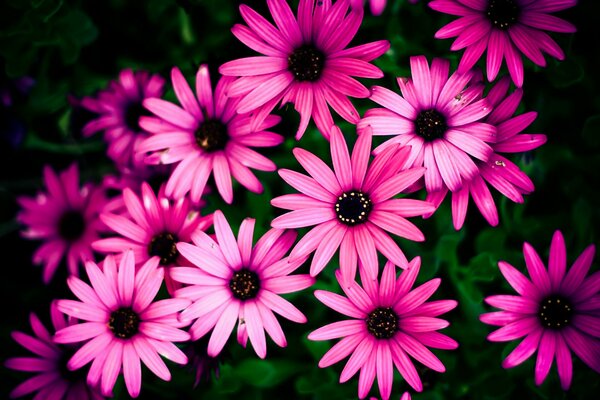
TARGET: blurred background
(53,52)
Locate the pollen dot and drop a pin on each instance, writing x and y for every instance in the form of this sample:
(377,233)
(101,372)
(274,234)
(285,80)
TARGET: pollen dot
(503,13)
(244,284)
(124,322)
(353,207)
(306,63)
(555,312)
(430,125)
(382,323)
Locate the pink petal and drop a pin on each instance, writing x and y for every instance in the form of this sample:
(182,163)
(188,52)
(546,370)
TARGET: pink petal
(524,350)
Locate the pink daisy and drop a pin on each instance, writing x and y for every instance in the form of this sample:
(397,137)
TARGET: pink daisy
(498,171)
(304,61)
(556,311)
(389,323)
(351,206)
(505,28)
(151,226)
(66,218)
(52,380)
(122,324)
(234,282)
(207,135)
(120,107)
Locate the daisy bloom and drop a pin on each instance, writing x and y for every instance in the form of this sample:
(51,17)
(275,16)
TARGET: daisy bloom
(505,28)
(123,325)
(498,171)
(304,61)
(389,322)
(151,226)
(555,311)
(231,281)
(351,207)
(52,380)
(119,108)
(207,135)
(66,218)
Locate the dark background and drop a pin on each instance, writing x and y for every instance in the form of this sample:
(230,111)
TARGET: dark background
(73,48)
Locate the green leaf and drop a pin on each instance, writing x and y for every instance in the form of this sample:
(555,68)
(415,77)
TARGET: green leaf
(265,373)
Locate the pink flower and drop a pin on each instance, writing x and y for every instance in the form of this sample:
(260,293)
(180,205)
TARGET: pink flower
(504,28)
(66,218)
(304,61)
(120,107)
(52,380)
(389,322)
(351,206)
(234,282)
(205,136)
(556,312)
(122,324)
(151,226)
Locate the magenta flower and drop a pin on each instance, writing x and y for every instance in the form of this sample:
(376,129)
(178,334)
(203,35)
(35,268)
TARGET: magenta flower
(234,282)
(122,324)
(556,311)
(120,107)
(389,322)
(66,218)
(52,380)
(505,28)
(151,227)
(205,136)
(351,206)
(304,61)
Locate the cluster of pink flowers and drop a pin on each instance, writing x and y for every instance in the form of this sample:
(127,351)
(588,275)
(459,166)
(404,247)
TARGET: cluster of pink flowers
(447,132)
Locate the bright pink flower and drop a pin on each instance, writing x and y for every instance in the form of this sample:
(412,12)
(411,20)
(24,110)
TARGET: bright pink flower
(120,107)
(122,324)
(52,380)
(389,323)
(234,282)
(66,218)
(351,206)
(304,62)
(556,311)
(151,227)
(505,28)
(207,135)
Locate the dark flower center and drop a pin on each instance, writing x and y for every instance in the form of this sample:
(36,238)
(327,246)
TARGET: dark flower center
(244,284)
(353,208)
(212,135)
(555,312)
(164,245)
(382,323)
(124,322)
(431,125)
(502,13)
(71,225)
(306,63)
(133,112)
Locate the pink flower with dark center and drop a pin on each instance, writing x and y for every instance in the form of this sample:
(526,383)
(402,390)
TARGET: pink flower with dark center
(151,227)
(123,325)
(52,380)
(66,218)
(304,61)
(505,28)
(120,107)
(389,322)
(352,206)
(556,312)
(207,136)
(231,281)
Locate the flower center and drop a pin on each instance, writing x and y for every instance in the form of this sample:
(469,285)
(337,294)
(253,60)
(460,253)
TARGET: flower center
(164,246)
(382,323)
(71,225)
(124,322)
(212,135)
(502,13)
(555,312)
(431,125)
(353,208)
(306,63)
(133,112)
(244,284)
